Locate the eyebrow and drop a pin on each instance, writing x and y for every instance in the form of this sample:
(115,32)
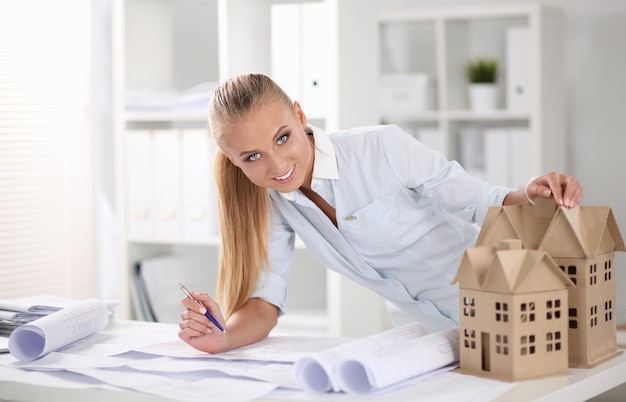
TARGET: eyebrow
(280,129)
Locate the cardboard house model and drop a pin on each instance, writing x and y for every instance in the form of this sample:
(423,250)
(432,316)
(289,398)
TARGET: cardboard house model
(582,241)
(513,305)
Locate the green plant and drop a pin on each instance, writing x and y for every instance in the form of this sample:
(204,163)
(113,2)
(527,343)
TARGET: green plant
(482,71)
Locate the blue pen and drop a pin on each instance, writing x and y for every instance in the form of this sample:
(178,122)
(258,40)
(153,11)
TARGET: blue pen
(208,315)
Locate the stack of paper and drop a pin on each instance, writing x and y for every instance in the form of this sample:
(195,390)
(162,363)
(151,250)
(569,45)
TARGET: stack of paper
(17,312)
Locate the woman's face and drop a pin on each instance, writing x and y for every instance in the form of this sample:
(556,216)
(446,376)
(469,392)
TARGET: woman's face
(271,147)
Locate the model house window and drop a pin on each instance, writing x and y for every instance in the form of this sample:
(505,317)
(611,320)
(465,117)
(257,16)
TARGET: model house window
(469,307)
(593,274)
(573,322)
(607,270)
(502,312)
(528,345)
(502,344)
(593,321)
(553,309)
(527,312)
(469,338)
(608,310)
(571,272)
(553,341)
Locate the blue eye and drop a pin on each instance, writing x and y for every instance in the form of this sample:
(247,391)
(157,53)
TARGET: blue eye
(253,157)
(282,139)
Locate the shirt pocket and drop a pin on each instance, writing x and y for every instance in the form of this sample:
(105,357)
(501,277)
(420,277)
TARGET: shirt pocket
(372,229)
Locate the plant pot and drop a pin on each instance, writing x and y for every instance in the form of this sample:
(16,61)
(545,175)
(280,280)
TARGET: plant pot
(483,97)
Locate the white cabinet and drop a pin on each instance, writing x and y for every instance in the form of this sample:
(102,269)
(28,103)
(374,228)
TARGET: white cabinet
(527,130)
(161,50)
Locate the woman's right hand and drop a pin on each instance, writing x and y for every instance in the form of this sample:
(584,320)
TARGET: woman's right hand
(196,329)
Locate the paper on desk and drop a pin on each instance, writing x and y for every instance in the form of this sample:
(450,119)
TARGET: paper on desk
(274,373)
(286,349)
(61,328)
(316,372)
(201,389)
(109,342)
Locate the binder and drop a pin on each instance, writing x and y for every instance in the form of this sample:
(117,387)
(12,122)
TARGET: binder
(139,184)
(518,68)
(167,195)
(199,194)
(521,156)
(497,156)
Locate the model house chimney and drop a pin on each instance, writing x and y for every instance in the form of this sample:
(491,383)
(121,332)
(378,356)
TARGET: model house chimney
(510,244)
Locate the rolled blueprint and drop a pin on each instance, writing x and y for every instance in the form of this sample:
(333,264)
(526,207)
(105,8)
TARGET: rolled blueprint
(54,331)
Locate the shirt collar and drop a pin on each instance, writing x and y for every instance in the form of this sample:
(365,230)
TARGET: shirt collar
(324,164)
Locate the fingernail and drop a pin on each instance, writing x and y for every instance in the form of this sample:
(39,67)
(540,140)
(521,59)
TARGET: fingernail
(202,310)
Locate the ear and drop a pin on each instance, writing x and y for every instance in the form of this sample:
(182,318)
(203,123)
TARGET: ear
(300,114)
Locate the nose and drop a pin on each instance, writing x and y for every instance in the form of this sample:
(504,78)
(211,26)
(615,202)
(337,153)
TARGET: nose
(277,163)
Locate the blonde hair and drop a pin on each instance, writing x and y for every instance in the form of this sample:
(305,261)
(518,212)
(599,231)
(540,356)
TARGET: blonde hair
(244,208)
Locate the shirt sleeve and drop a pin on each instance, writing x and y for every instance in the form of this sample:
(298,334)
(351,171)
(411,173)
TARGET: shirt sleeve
(272,283)
(439,181)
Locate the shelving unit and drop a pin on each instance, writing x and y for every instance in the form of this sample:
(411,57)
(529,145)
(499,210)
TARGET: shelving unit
(440,41)
(161,45)
(158,46)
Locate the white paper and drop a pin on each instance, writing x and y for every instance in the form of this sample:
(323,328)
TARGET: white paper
(285,349)
(43,304)
(31,341)
(370,370)
(207,389)
(317,372)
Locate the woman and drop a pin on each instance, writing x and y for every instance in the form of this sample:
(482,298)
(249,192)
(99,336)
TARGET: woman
(371,203)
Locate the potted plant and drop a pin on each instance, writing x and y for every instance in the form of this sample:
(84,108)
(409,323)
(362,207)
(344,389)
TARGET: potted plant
(482,75)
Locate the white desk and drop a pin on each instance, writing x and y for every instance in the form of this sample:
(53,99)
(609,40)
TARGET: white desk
(579,385)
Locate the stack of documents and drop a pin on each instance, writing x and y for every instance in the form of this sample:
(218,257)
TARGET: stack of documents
(192,100)
(17,312)
(20,311)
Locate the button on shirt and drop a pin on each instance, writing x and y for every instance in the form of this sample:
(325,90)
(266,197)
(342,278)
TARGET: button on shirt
(404,213)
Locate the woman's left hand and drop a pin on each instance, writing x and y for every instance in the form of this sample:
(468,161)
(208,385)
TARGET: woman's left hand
(566,190)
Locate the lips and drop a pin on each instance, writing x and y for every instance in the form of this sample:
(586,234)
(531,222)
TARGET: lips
(286,176)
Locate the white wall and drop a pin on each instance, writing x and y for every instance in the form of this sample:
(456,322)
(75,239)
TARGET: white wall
(595,62)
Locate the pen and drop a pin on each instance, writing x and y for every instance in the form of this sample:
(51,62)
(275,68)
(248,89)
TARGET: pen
(208,315)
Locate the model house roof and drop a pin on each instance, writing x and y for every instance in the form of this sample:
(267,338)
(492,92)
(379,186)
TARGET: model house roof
(581,232)
(509,269)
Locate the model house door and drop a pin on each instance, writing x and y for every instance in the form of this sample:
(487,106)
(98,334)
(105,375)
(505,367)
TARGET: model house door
(485,345)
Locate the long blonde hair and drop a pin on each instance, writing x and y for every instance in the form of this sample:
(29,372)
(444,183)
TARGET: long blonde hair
(244,208)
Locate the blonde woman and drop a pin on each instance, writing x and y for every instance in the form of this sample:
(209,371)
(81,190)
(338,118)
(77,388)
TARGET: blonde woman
(371,203)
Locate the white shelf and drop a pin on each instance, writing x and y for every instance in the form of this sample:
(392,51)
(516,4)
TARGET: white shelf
(496,115)
(426,117)
(208,241)
(446,38)
(164,116)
